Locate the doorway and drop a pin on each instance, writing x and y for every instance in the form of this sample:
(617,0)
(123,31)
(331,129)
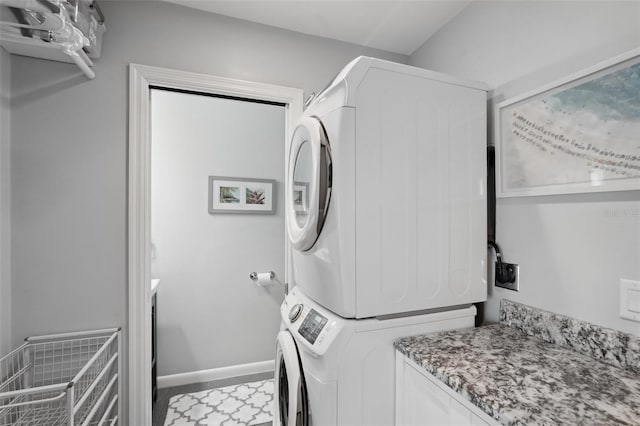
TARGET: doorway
(142,81)
(212,321)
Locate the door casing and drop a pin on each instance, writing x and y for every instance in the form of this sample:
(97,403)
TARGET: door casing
(141,79)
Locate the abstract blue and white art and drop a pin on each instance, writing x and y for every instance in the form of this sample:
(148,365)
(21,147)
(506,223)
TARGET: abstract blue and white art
(582,136)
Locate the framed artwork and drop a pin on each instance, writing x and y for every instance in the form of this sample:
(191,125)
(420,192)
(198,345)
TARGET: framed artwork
(301,196)
(241,195)
(579,134)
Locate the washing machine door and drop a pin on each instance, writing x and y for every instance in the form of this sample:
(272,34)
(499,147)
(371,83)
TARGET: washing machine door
(291,402)
(309,183)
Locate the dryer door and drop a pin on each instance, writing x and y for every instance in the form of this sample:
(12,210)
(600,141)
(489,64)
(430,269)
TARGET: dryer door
(308,183)
(292,404)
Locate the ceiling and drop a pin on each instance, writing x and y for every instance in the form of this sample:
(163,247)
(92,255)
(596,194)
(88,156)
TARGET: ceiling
(399,26)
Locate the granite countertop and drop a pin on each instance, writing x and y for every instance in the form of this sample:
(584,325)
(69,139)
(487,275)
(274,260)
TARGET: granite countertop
(536,367)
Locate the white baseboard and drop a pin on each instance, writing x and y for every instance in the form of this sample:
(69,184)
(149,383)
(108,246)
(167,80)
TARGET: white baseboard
(215,374)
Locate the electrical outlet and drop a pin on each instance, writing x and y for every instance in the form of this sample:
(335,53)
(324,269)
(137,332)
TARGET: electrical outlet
(630,299)
(507,276)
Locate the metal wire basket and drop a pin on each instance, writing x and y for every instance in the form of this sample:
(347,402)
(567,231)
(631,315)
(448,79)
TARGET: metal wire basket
(62,379)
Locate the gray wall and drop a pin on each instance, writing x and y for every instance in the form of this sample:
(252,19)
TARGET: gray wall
(69,148)
(5,202)
(572,249)
(210,314)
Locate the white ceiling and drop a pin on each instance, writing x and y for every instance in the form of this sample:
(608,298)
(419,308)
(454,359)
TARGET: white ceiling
(399,26)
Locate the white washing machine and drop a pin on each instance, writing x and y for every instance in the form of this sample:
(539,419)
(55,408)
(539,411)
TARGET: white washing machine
(334,371)
(386,181)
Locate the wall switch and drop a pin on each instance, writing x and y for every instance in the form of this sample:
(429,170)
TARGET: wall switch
(630,299)
(633,301)
(507,276)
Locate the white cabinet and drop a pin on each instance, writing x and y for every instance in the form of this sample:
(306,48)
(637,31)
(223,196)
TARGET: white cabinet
(423,400)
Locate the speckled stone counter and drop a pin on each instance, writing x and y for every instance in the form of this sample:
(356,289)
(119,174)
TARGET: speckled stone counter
(521,372)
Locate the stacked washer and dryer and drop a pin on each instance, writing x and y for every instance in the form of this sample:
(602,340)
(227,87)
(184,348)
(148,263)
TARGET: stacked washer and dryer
(386,213)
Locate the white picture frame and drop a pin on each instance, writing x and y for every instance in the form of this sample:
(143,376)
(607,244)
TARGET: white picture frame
(241,195)
(576,135)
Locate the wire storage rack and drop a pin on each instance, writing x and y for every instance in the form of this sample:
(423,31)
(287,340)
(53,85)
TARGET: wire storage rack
(70,379)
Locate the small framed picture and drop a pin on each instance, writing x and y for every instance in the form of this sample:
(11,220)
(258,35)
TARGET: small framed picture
(241,195)
(301,196)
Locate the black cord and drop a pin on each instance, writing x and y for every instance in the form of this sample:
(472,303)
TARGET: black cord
(499,270)
(496,248)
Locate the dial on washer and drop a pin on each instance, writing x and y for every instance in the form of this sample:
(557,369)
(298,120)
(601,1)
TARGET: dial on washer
(295,312)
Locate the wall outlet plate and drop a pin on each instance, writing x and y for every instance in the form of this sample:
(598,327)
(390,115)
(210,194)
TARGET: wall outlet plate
(630,299)
(510,285)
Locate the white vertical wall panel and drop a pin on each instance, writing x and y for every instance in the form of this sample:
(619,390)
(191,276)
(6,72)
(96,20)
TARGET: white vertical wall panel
(420,183)
(430,181)
(467,196)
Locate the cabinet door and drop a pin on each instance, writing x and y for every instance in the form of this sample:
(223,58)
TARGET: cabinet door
(424,404)
(477,421)
(459,415)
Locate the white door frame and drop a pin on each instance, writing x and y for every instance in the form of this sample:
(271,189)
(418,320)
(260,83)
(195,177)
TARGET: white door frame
(141,78)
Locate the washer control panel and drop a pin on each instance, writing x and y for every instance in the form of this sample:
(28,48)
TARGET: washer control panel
(312,325)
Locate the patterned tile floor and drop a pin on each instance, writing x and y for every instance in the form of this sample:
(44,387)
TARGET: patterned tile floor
(161,404)
(242,404)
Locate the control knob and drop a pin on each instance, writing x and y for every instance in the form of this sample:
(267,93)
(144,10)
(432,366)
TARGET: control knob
(295,312)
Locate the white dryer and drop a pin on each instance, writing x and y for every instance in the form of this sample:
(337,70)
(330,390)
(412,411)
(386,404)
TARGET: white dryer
(387,203)
(334,371)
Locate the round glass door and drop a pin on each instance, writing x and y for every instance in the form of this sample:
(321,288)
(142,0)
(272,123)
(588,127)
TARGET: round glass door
(302,179)
(309,183)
